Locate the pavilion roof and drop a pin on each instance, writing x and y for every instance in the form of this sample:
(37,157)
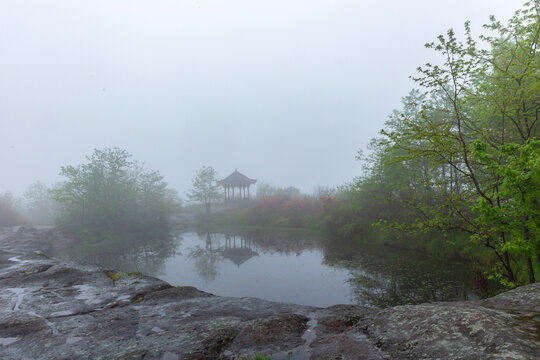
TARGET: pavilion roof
(236,179)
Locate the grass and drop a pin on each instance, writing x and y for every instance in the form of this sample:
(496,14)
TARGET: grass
(117,275)
(257,357)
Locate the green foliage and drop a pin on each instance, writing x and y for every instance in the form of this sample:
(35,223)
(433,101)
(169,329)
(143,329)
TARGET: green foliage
(117,275)
(462,157)
(517,213)
(476,134)
(257,357)
(111,197)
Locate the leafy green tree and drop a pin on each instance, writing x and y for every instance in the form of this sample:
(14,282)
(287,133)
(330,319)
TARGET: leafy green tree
(205,188)
(110,196)
(518,211)
(481,111)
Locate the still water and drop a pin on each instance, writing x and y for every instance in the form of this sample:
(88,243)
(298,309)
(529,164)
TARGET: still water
(236,265)
(296,268)
(306,270)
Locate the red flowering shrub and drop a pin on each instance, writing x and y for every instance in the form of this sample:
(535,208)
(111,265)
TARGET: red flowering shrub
(266,210)
(279,210)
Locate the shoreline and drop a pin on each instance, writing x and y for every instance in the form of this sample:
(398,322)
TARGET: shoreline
(60,310)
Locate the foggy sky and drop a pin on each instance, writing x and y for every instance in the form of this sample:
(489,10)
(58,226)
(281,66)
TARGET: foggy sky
(284,91)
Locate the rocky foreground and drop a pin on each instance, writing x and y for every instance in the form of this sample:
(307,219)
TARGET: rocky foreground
(55,310)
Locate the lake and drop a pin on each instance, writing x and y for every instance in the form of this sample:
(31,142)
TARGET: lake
(294,267)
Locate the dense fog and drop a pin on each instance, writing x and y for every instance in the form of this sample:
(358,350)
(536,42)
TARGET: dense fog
(285,92)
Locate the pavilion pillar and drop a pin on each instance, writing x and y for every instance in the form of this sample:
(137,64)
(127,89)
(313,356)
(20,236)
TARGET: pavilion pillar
(248,192)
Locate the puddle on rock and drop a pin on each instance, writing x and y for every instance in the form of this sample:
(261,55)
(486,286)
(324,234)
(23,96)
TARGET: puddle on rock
(302,352)
(8,340)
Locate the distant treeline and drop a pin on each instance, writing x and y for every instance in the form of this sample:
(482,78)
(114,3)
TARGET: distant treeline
(10,213)
(35,207)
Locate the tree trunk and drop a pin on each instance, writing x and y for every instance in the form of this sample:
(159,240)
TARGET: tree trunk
(207,209)
(508,267)
(531,270)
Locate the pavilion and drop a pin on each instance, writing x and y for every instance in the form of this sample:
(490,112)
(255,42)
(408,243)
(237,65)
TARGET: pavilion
(238,181)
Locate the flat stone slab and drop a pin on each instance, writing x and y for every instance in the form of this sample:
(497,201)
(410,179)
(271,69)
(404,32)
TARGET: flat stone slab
(52,309)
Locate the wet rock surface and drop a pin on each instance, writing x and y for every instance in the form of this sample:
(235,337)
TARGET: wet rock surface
(51,309)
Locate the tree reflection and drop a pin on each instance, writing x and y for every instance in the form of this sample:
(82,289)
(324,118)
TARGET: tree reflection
(140,251)
(206,258)
(382,276)
(283,242)
(378,275)
(219,247)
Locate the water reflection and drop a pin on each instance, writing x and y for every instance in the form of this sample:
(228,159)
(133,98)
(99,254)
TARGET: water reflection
(206,258)
(238,254)
(384,276)
(375,275)
(284,266)
(141,251)
(219,247)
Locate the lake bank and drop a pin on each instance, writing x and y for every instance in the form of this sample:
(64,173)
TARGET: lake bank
(66,310)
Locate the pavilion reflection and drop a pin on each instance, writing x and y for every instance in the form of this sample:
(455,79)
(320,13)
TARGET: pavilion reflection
(238,253)
(241,247)
(217,248)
